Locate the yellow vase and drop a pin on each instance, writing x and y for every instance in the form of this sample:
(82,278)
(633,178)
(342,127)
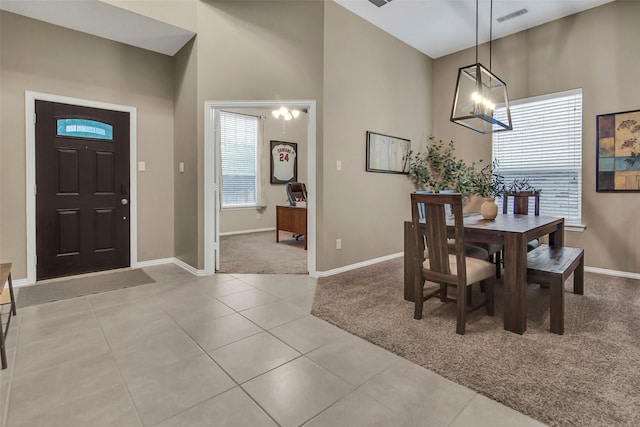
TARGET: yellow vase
(489,209)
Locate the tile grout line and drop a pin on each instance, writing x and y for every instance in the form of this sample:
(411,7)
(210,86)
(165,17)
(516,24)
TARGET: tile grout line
(112,357)
(239,385)
(5,418)
(463,408)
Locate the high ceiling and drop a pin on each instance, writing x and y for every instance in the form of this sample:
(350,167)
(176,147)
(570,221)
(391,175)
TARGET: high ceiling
(104,20)
(440,27)
(434,27)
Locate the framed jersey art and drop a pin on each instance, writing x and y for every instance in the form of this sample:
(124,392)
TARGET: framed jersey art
(284,162)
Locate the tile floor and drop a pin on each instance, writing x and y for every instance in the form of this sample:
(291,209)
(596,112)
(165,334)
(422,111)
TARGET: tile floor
(226,350)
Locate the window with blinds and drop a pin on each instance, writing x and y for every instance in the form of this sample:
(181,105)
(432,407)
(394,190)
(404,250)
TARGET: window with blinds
(545,147)
(239,157)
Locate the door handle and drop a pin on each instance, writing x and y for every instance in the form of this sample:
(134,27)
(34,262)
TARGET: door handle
(124,201)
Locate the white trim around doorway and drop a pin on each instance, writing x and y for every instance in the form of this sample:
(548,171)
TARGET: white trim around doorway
(30,105)
(211,185)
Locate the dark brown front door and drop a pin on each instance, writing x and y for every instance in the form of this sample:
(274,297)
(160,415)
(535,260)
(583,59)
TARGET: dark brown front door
(82,189)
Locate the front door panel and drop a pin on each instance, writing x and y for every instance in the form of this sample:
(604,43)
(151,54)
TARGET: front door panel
(82,189)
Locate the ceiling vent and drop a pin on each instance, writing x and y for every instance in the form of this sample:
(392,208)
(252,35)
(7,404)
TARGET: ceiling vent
(512,15)
(380,3)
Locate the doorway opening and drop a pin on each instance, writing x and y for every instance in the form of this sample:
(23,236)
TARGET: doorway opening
(213,173)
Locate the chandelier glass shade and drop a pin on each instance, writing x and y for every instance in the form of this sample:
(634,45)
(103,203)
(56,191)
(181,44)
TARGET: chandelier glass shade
(285,113)
(478,93)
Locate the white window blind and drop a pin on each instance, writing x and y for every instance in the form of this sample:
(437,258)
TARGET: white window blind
(239,157)
(545,147)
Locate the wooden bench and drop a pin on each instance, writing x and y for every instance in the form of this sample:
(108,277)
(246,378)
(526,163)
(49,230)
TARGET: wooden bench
(5,298)
(552,266)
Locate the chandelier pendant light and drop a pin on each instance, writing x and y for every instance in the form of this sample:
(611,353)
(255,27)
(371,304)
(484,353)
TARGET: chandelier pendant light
(286,115)
(478,92)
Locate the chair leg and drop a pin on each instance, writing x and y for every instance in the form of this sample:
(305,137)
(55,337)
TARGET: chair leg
(498,264)
(462,310)
(489,295)
(13,299)
(3,352)
(556,295)
(443,292)
(418,297)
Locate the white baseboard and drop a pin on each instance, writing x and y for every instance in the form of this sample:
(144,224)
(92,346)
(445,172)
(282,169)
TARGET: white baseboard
(176,261)
(357,265)
(616,273)
(189,268)
(257,230)
(346,268)
(20,282)
(153,262)
(196,272)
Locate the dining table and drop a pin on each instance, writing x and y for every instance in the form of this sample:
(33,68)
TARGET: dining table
(511,231)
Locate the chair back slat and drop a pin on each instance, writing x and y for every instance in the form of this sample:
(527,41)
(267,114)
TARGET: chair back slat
(430,228)
(436,237)
(521,202)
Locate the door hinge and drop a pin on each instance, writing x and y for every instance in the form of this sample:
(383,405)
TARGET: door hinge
(35,118)
(35,189)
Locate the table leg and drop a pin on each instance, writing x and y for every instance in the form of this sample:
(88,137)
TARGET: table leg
(409,271)
(515,283)
(556,238)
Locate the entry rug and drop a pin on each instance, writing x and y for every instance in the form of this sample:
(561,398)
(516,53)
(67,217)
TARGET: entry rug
(81,286)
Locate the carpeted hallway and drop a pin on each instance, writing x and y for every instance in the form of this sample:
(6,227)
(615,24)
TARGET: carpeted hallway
(258,253)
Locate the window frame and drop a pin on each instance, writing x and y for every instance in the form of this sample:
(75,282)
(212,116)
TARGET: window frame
(258,164)
(575,142)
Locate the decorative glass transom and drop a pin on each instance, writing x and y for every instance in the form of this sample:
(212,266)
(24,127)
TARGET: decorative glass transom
(81,128)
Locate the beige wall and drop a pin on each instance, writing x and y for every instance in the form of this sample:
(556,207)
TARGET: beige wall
(254,50)
(592,50)
(238,220)
(372,81)
(39,57)
(186,151)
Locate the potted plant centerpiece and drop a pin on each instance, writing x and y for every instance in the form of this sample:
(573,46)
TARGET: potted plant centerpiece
(437,169)
(488,184)
(520,185)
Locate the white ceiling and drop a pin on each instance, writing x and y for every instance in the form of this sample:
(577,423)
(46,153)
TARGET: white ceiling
(441,27)
(434,27)
(104,20)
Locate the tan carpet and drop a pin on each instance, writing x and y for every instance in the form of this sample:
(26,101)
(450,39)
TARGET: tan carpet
(590,376)
(258,253)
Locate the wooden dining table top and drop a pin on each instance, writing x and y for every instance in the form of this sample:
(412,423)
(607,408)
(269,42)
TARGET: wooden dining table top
(491,230)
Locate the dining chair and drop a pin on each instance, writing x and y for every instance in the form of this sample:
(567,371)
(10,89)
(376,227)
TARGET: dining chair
(442,267)
(521,207)
(470,250)
(521,202)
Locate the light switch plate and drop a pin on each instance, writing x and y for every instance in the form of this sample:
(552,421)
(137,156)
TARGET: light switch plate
(142,166)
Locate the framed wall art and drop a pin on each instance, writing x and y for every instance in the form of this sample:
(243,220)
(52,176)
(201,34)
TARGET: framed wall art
(618,156)
(388,154)
(284,162)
